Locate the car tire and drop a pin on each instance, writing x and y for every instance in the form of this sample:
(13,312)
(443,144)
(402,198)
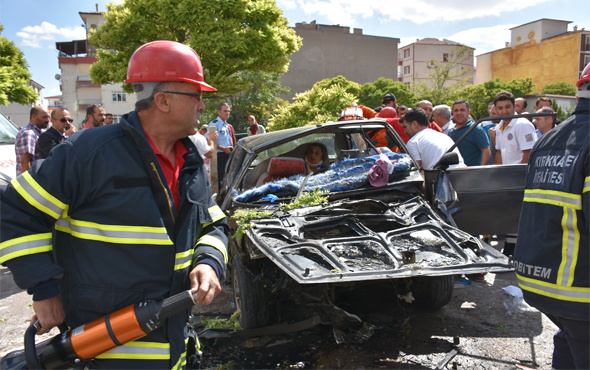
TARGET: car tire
(432,292)
(250,297)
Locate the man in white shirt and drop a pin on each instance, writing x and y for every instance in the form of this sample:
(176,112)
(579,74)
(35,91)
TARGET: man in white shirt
(441,115)
(426,146)
(514,138)
(205,145)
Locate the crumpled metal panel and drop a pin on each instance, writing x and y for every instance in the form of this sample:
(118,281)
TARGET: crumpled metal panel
(370,240)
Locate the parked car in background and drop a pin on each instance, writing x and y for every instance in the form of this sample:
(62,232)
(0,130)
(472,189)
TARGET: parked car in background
(8,132)
(300,263)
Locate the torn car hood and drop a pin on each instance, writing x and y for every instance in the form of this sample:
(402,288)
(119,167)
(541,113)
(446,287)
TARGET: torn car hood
(364,240)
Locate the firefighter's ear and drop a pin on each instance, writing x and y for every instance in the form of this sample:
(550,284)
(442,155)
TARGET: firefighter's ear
(162,101)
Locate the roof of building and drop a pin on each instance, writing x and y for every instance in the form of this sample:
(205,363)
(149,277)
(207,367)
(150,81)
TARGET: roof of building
(435,41)
(542,19)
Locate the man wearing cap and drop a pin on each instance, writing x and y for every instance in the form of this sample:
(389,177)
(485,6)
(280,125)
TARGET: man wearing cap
(133,215)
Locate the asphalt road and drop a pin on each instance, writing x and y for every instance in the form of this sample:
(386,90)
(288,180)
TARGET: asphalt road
(492,329)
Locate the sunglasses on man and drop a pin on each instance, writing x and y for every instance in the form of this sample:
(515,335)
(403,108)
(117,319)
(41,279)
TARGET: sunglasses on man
(66,119)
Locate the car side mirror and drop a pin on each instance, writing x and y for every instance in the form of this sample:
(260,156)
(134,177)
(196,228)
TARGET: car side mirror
(448,159)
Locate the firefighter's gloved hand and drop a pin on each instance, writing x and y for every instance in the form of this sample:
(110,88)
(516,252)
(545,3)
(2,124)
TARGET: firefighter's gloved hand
(49,312)
(205,283)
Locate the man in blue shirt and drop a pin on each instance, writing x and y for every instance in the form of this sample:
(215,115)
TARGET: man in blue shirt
(475,148)
(226,139)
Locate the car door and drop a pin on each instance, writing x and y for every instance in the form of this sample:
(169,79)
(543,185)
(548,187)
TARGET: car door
(489,198)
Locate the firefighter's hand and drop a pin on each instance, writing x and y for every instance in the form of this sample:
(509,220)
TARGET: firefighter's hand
(49,312)
(205,283)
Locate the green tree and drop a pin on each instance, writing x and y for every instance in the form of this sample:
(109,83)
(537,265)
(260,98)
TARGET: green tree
(372,93)
(481,95)
(260,99)
(314,106)
(446,77)
(14,74)
(230,36)
(350,87)
(560,88)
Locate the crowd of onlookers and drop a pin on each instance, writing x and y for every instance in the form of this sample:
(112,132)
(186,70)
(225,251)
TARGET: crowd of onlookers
(37,138)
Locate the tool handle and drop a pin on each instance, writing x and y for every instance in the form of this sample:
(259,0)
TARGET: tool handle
(30,348)
(177,303)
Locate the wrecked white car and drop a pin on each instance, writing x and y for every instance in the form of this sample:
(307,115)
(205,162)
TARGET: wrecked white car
(292,264)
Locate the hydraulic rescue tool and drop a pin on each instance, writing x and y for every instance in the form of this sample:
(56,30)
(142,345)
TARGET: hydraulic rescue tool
(87,341)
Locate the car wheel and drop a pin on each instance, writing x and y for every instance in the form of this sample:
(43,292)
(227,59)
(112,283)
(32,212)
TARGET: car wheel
(250,297)
(432,292)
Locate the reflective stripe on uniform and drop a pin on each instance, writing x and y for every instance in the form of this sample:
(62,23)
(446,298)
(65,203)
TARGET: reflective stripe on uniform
(570,246)
(114,233)
(216,214)
(586,184)
(214,242)
(556,198)
(25,245)
(36,196)
(182,360)
(139,351)
(563,293)
(183,259)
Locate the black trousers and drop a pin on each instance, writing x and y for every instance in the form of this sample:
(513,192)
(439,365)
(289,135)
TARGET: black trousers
(221,163)
(571,343)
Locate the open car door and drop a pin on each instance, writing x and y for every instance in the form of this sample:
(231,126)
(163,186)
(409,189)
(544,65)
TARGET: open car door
(490,198)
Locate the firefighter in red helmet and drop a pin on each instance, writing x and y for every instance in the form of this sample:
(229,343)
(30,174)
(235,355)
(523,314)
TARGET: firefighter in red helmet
(552,255)
(132,211)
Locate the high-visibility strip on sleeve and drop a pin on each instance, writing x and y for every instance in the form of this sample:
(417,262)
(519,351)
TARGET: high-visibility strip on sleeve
(120,234)
(556,198)
(562,293)
(139,351)
(25,245)
(586,184)
(36,196)
(216,214)
(214,242)
(183,259)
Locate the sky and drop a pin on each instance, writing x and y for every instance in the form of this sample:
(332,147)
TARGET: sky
(36,25)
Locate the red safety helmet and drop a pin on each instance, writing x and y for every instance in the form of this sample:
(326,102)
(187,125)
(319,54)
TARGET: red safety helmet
(169,61)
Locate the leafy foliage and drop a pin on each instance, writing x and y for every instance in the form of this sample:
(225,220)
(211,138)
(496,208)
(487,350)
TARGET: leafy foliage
(232,323)
(259,99)
(481,95)
(243,217)
(312,198)
(315,106)
(443,72)
(230,36)
(372,93)
(560,88)
(14,75)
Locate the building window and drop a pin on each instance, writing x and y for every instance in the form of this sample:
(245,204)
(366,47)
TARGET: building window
(586,61)
(407,70)
(407,84)
(587,43)
(445,57)
(119,96)
(116,118)
(407,53)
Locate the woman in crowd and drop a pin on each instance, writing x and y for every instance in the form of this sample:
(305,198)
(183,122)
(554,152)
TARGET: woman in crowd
(254,128)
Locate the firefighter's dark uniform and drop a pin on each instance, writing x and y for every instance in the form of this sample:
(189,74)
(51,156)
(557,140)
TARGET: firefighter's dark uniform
(118,237)
(552,256)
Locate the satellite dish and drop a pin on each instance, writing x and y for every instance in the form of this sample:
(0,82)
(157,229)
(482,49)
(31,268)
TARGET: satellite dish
(57,77)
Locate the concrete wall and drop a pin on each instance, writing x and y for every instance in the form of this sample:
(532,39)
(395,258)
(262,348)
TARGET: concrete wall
(483,71)
(329,51)
(421,54)
(553,60)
